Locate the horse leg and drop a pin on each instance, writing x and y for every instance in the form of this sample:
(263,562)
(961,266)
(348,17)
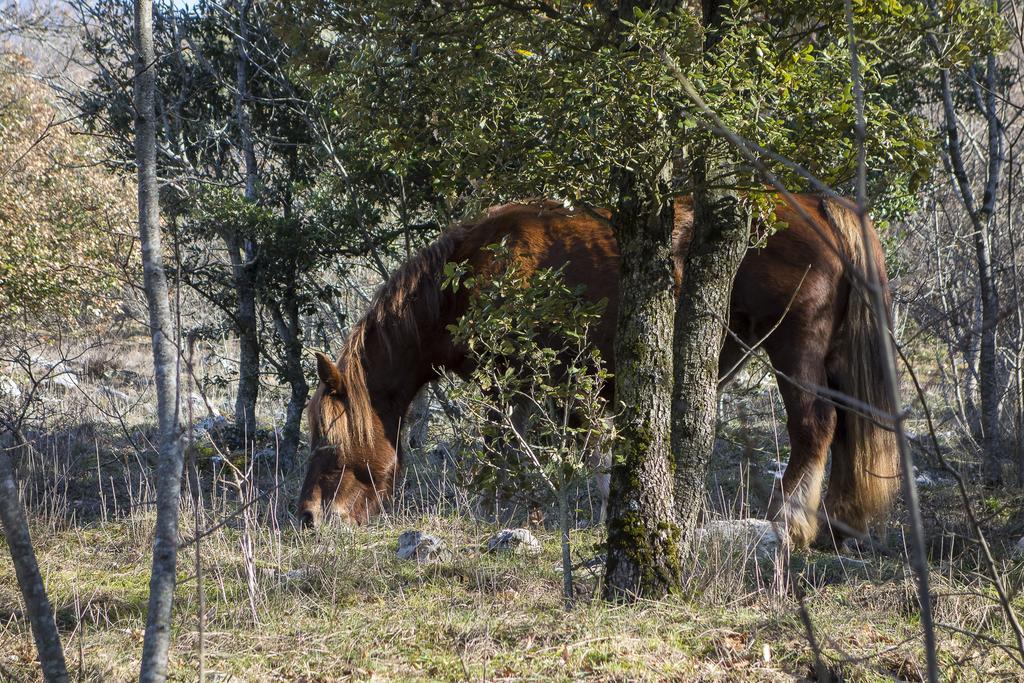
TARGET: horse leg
(844,512)
(811,422)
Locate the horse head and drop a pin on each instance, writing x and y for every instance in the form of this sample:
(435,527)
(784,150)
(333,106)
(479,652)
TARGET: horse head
(351,463)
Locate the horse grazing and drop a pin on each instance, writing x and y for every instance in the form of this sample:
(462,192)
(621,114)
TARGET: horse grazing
(794,295)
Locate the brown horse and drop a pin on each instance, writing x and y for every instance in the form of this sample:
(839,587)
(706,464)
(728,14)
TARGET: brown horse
(793,295)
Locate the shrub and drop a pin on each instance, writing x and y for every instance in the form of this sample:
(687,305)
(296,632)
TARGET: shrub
(534,397)
(65,219)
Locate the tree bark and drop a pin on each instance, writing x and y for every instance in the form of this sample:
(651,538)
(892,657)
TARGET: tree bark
(30,581)
(720,239)
(720,236)
(242,256)
(643,552)
(989,384)
(165,540)
(563,527)
(243,252)
(289,329)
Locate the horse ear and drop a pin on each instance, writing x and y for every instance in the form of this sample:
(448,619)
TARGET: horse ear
(328,372)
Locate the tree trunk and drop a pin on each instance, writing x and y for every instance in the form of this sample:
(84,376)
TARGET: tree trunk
(719,242)
(165,540)
(30,581)
(248,338)
(289,330)
(989,383)
(988,377)
(643,552)
(243,252)
(1018,356)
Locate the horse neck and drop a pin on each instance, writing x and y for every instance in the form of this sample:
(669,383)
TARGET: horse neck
(393,380)
(417,342)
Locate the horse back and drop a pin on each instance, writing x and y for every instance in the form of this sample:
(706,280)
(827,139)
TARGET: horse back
(795,275)
(792,281)
(547,235)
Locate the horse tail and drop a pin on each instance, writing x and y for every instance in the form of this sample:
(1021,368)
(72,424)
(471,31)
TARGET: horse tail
(865,466)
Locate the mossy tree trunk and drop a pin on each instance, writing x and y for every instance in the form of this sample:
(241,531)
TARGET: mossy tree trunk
(243,255)
(721,234)
(643,557)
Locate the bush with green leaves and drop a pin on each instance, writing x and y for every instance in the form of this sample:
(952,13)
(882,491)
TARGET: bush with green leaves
(555,99)
(533,403)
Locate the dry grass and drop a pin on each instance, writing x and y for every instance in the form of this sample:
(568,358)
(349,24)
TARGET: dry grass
(338,604)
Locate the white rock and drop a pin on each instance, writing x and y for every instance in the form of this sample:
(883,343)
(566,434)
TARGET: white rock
(776,468)
(929,479)
(416,545)
(517,541)
(61,377)
(924,480)
(58,372)
(271,457)
(758,534)
(46,362)
(199,405)
(300,574)
(9,388)
(208,424)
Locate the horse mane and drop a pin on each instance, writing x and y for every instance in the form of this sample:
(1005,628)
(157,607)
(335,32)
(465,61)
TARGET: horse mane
(409,298)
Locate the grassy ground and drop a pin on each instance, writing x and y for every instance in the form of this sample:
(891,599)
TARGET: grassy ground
(339,605)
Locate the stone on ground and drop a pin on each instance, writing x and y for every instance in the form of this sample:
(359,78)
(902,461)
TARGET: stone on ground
(416,545)
(514,541)
(212,423)
(9,388)
(758,534)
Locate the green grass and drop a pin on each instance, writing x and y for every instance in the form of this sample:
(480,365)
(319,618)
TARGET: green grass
(355,611)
